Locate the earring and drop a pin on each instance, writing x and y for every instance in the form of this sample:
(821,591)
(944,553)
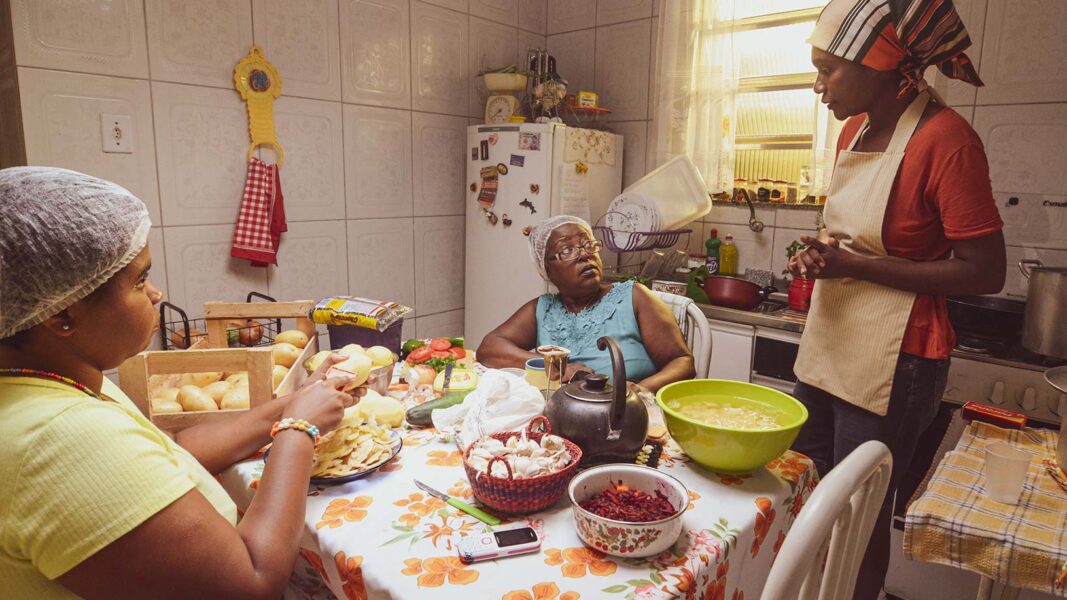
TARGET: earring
(66,327)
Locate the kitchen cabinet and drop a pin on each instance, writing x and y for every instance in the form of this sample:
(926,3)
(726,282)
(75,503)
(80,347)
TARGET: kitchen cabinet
(731,350)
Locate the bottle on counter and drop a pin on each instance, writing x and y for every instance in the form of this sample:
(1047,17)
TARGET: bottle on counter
(712,247)
(728,256)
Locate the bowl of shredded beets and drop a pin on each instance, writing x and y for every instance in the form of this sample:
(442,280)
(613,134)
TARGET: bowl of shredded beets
(628,510)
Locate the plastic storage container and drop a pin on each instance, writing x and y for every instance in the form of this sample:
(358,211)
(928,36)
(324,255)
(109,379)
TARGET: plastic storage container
(677,193)
(343,335)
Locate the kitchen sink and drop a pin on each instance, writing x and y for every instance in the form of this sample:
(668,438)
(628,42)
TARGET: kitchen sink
(770,306)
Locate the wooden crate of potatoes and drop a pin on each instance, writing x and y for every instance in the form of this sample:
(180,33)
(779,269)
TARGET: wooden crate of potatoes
(179,388)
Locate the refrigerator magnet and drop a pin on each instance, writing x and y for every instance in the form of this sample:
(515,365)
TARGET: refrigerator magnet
(487,196)
(493,139)
(517,160)
(526,202)
(474,153)
(530,141)
(581,168)
(484,146)
(501,168)
(505,219)
(535,188)
(527,230)
(474,187)
(490,216)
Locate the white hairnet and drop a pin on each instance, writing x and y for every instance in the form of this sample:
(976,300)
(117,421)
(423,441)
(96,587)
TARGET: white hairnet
(64,234)
(540,234)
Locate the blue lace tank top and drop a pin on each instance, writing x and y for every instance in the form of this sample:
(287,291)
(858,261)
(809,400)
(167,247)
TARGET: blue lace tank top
(612,315)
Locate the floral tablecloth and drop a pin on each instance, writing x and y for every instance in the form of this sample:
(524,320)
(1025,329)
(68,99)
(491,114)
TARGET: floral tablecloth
(380,537)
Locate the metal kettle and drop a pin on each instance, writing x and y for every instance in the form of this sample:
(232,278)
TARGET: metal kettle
(608,422)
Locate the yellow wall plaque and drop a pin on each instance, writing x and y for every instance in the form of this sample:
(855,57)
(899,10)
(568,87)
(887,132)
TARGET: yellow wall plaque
(259,84)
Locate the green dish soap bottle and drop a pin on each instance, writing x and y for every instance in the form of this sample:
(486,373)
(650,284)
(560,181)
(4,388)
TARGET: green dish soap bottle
(712,247)
(728,256)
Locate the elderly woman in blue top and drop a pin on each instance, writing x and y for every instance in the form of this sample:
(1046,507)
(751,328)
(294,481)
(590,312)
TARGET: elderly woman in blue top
(586,308)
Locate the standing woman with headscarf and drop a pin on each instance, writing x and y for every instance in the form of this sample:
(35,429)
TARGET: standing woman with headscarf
(910,218)
(568,256)
(96,501)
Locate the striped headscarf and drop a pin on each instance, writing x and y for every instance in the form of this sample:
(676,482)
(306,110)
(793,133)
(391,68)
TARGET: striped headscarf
(902,35)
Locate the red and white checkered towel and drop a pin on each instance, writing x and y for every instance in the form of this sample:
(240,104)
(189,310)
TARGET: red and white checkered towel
(261,219)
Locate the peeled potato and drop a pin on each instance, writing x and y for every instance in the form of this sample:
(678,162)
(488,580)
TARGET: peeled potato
(193,398)
(168,394)
(285,354)
(292,336)
(353,349)
(381,356)
(163,406)
(383,409)
(236,377)
(237,398)
(217,390)
(200,379)
(316,359)
(360,364)
(278,374)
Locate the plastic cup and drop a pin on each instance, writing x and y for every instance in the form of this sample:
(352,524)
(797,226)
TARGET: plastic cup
(1005,471)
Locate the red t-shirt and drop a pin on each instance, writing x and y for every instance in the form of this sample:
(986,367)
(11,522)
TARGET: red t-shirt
(941,193)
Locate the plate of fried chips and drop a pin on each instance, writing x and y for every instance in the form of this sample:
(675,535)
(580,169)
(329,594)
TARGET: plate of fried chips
(355,449)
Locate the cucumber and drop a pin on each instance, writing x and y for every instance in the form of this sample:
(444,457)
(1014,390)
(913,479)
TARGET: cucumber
(419,416)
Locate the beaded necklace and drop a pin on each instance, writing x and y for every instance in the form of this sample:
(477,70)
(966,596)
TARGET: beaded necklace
(55,377)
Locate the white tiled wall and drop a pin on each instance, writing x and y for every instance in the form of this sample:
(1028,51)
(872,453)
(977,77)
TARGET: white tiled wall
(1021,114)
(376,96)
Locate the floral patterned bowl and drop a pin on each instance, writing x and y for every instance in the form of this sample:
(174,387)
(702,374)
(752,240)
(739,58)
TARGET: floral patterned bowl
(619,538)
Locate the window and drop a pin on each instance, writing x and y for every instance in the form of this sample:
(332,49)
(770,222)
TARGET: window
(780,124)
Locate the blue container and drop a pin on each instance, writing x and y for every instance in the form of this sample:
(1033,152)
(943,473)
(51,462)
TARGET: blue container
(343,335)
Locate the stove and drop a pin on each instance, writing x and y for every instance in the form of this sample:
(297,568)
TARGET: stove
(1003,373)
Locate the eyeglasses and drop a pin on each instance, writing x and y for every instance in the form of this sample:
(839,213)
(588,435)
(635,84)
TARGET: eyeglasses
(571,253)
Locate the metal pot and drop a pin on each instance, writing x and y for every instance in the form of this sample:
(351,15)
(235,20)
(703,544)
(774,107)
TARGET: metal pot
(1057,378)
(734,292)
(987,316)
(608,422)
(1045,324)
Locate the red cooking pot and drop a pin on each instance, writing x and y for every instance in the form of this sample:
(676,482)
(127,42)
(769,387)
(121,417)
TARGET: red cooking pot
(734,292)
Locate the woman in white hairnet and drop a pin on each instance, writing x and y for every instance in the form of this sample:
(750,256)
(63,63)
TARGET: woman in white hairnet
(96,501)
(567,255)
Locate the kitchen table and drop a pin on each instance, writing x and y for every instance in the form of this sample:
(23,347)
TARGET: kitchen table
(954,522)
(381,537)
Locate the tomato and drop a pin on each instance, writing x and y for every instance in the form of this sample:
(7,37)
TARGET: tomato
(420,354)
(441,354)
(440,344)
(458,353)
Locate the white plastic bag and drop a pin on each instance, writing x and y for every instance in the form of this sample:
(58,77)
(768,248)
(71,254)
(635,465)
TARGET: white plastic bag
(501,402)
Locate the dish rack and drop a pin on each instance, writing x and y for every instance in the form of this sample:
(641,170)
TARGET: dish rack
(176,326)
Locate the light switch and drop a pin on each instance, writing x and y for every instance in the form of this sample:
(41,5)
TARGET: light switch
(116,133)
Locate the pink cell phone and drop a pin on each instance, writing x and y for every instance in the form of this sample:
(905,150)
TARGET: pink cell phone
(498,544)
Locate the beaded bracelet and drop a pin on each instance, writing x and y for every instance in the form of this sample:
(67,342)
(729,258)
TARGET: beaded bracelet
(297,424)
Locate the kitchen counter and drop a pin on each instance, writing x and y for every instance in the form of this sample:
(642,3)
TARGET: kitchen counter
(774,313)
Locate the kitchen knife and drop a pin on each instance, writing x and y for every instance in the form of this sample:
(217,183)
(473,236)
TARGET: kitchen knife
(463,506)
(447,379)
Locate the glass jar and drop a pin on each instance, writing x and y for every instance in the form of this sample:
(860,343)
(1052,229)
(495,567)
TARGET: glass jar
(777,192)
(739,184)
(763,191)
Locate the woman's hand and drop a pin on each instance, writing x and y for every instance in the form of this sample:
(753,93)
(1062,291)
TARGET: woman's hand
(322,403)
(573,369)
(822,260)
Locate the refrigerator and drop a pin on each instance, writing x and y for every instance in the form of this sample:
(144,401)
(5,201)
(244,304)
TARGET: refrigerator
(517,176)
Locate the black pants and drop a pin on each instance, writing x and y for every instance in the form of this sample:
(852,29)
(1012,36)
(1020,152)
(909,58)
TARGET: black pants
(835,428)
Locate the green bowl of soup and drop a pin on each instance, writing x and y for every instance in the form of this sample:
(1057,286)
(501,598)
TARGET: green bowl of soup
(730,426)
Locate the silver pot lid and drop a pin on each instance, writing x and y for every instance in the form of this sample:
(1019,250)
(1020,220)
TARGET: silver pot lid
(1057,378)
(594,388)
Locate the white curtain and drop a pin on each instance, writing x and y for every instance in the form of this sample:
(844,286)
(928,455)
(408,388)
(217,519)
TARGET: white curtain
(695,88)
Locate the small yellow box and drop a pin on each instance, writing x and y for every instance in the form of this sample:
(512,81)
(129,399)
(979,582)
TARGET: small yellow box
(588,99)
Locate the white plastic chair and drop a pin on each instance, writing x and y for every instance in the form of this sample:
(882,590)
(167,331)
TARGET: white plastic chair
(695,330)
(839,516)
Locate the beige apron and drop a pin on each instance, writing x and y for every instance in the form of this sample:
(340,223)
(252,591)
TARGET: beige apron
(855,328)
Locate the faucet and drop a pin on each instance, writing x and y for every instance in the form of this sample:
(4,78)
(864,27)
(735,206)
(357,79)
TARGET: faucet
(753,223)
